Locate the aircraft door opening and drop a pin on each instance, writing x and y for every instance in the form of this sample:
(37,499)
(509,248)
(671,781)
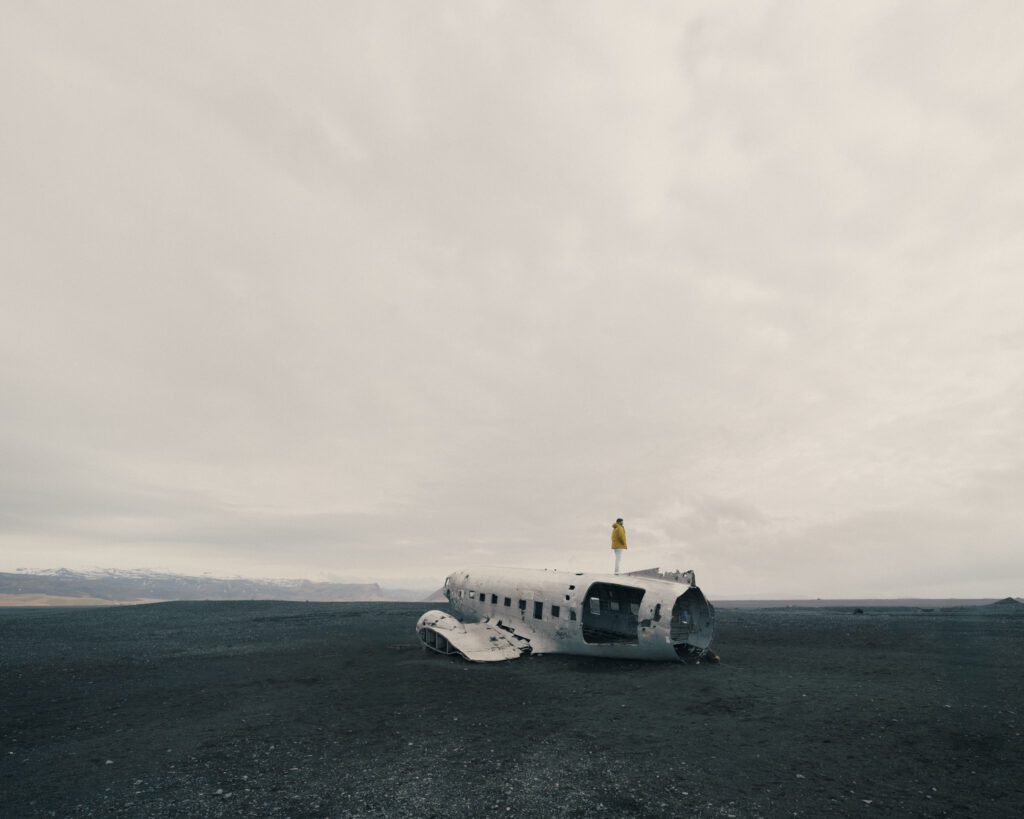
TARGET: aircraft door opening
(610,614)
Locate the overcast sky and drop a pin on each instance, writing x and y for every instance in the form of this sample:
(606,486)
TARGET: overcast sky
(377,290)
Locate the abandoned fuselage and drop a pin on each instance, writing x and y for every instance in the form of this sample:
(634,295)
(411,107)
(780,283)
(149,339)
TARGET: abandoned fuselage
(502,614)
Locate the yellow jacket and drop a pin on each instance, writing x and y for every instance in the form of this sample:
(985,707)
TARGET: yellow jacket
(618,536)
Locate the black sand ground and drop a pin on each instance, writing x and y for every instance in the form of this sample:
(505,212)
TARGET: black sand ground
(323,710)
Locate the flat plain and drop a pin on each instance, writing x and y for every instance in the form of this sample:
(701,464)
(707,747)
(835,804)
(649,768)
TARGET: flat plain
(331,710)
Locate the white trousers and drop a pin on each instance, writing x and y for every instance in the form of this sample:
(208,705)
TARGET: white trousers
(618,559)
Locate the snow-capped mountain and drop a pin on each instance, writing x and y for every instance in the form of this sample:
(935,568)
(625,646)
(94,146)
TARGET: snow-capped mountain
(124,585)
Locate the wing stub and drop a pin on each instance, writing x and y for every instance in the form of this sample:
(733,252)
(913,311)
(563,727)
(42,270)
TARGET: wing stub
(477,642)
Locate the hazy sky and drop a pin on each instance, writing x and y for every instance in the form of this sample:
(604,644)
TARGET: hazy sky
(375,290)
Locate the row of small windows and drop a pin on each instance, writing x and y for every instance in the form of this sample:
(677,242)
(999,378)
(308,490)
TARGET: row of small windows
(538,606)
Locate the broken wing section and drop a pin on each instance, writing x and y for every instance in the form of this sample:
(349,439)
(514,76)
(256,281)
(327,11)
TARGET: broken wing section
(479,642)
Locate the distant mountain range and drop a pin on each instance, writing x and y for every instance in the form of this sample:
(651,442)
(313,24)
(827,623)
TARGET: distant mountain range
(66,587)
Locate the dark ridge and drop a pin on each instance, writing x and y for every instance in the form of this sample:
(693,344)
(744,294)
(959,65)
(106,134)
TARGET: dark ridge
(144,585)
(436,597)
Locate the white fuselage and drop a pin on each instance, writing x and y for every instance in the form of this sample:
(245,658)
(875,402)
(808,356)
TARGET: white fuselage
(601,615)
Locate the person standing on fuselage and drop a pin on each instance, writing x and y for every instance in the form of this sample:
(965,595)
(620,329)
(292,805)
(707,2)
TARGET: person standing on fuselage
(618,541)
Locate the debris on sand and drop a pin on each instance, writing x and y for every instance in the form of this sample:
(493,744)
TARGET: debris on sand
(880,685)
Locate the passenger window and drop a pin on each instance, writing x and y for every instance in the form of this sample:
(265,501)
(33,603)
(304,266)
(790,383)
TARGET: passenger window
(595,605)
(494,599)
(522,605)
(538,611)
(572,614)
(555,612)
(634,609)
(614,604)
(508,601)
(567,597)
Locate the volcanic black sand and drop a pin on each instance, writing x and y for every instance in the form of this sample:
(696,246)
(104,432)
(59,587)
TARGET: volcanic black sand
(322,710)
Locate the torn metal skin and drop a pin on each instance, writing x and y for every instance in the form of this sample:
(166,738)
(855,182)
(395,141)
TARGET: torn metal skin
(503,614)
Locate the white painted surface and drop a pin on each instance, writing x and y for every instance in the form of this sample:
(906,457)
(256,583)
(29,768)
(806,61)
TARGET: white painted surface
(479,642)
(504,601)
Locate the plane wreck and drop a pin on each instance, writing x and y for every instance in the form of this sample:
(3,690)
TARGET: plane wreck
(503,614)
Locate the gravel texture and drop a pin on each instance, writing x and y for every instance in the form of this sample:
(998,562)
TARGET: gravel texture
(332,710)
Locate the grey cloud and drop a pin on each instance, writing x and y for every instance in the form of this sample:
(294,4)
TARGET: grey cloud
(360,287)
